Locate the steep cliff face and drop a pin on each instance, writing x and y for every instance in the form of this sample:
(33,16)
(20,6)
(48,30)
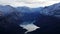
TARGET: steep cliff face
(10,24)
(10,21)
(51,10)
(7,27)
(48,21)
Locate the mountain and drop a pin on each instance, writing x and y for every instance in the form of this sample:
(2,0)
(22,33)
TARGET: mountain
(27,14)
(9,27)
(24,9)
(53,10)
(48,21)
(12,18)
(6,9)
(10,21)
(47,18)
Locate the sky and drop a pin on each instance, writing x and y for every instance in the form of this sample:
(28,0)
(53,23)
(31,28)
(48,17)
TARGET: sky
(29,3)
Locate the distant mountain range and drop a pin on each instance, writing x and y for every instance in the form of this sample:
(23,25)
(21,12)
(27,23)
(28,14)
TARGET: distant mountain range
(48,10)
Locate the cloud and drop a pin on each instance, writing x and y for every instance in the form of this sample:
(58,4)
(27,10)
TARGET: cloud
(28,3)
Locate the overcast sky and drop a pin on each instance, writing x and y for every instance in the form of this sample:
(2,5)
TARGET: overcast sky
(29,3)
